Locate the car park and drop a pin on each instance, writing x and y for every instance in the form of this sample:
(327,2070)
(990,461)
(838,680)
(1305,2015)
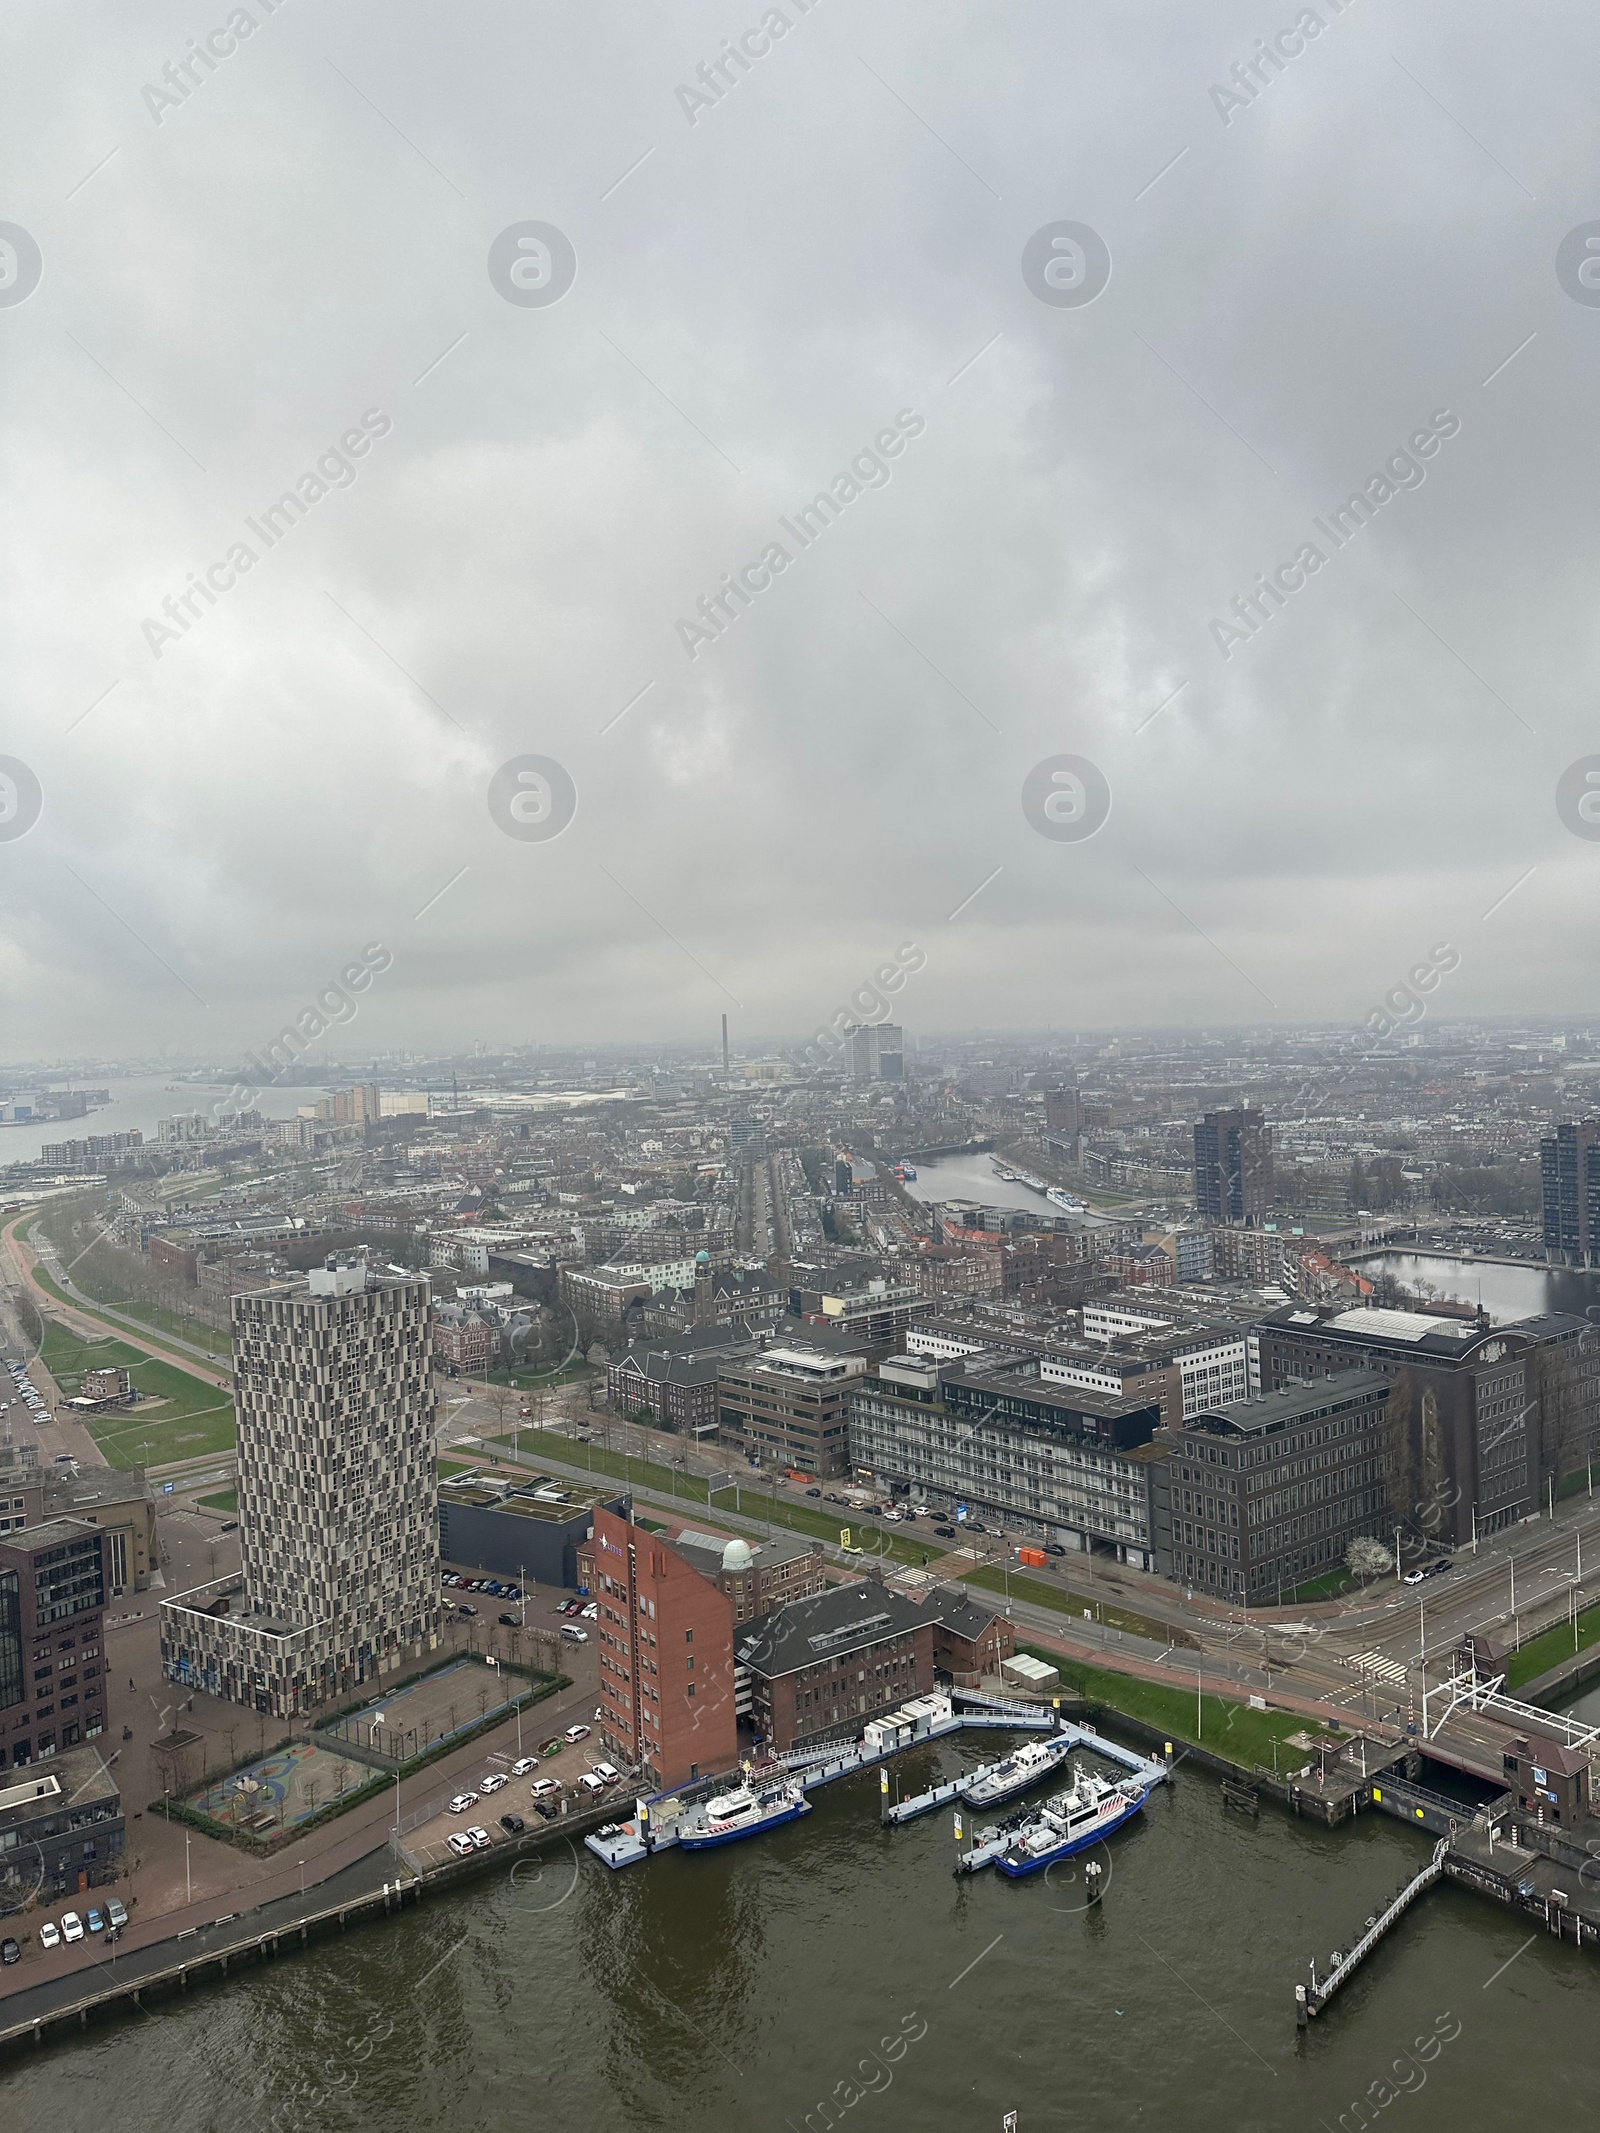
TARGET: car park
(480,1839)
(523,1764)
(462,1801)
(461,1844)
(71,1926)
(116,1912)
(49,1934)
(513,1824)
(493,1782)
(577,1733)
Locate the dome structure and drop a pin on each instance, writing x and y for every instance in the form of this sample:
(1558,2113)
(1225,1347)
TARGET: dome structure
(737,1555)
(702,1258)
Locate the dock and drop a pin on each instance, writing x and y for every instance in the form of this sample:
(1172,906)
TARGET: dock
(1151,1771)
(653,1826)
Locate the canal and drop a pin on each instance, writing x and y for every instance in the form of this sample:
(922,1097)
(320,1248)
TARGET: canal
(1506,1292)
(748,1986)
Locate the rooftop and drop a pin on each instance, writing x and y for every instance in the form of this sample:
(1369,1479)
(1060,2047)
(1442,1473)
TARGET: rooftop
(1271,1411)
(845,1618)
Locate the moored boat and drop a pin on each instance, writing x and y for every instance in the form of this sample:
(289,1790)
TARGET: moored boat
(744,1812)
(1034,1760)
(1089,1810)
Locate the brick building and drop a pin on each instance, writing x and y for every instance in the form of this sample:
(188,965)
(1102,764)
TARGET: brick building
(666,1656)
(760,1579)
(819,1669)
(789,1407)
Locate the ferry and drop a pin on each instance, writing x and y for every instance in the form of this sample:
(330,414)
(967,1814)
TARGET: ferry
(744,1812)
(906,1173)
(1090,1809)
(1034,1760)
(1067,1201)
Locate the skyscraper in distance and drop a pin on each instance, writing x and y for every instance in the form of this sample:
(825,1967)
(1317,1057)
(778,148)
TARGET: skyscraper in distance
(1233,1166)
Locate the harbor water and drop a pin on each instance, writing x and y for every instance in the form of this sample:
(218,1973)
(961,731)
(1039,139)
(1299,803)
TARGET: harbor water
(1505,1291)
(835,1963)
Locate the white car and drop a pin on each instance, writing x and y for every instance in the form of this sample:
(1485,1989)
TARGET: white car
(462,1801)
(541,1787)
(591,1783)
(576,1733)
(49,1935)
(592,1612)
(461,1844)
(523,1764)
(608,1773)
(573,1634)
(72,1926)
(493,1782)
(480,1839)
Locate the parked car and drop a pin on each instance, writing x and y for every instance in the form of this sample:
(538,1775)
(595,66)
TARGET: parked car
(608,1773)
(461,1844)
(523,1764)
(512,1621)
(591,1613)
(541,1788)
(72,1926)
(462,1801)
(493,1782)
(480,1839)
(1054,1548)
(117,1912)
(96,1923)
(576,1733)
(592,1784)
(573,1634)
(945,1532)
(49,1935)
(546,1808)
(9,1951)
(813,1492)
(465,1607)
(514,1824)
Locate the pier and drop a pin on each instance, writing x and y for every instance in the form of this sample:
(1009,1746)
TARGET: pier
(1311,1999)
(1151,1770)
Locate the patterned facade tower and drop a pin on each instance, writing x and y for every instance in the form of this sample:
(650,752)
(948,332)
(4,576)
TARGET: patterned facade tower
(338,1498)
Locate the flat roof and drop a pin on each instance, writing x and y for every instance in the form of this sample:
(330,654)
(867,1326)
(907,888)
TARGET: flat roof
(1295,1403)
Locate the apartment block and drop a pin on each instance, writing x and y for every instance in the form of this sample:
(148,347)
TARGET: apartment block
(789,1406)
(52,1639)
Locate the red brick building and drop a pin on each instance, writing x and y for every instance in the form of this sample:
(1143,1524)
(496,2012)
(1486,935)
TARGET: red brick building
(666,1656)
(819,1669)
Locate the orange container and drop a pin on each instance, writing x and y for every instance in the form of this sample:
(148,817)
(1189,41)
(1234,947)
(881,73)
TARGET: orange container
(1035,1558)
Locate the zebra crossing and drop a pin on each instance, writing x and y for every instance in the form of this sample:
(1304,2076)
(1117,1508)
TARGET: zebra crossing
(1375,1663)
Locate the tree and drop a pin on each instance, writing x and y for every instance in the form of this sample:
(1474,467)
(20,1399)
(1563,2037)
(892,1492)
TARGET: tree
(1366,1558)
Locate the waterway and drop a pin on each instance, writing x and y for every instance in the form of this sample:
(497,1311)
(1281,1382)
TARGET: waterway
(972,1177)
(744,1987)
(1506,1292)
(138,1103)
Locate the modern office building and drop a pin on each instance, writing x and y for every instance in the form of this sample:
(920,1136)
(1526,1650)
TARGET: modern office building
(1233,1166)
(878,1052)
(987,1439)
(789,1406)
(61,1829)
(338,1498)
(1258,1497)
(820,1669)
(665,1637)
(122,1503)
(532,1531)
(52,1639)
(1569,1169)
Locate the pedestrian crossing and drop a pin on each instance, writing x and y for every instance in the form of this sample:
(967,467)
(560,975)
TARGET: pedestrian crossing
(1375,1663)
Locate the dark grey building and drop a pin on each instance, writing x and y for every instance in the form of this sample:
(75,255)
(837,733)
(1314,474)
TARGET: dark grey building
(52,1642)
(1233,1166)
(1569,1172)
(61,1829)
(533,1531)
(1258,1497)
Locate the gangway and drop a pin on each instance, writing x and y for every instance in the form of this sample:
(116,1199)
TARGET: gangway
(1311,1999)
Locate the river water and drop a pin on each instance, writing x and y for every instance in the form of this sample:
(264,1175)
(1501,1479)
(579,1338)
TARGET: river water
(972,1177)
(138,1102)
(743,1987)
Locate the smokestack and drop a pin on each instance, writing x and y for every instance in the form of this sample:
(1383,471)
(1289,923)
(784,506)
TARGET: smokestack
(724,1044)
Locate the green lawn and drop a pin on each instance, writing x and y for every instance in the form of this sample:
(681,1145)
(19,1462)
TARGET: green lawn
(691,1488)
(54,1288)
(447,1467)
(194,1330)
(194,1418)
(1038,1594)
(1226,1727)
(225,1500)
(1549,1650)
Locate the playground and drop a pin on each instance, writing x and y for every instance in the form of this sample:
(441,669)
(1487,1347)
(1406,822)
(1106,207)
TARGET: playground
(282,1789)
(412,1720)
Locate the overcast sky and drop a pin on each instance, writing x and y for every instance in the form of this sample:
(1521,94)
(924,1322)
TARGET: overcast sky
(236,270)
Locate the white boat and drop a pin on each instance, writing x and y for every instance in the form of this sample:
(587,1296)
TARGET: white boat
(744,1812)
(1090,1809)
(1067,1201)
(1034,1760)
